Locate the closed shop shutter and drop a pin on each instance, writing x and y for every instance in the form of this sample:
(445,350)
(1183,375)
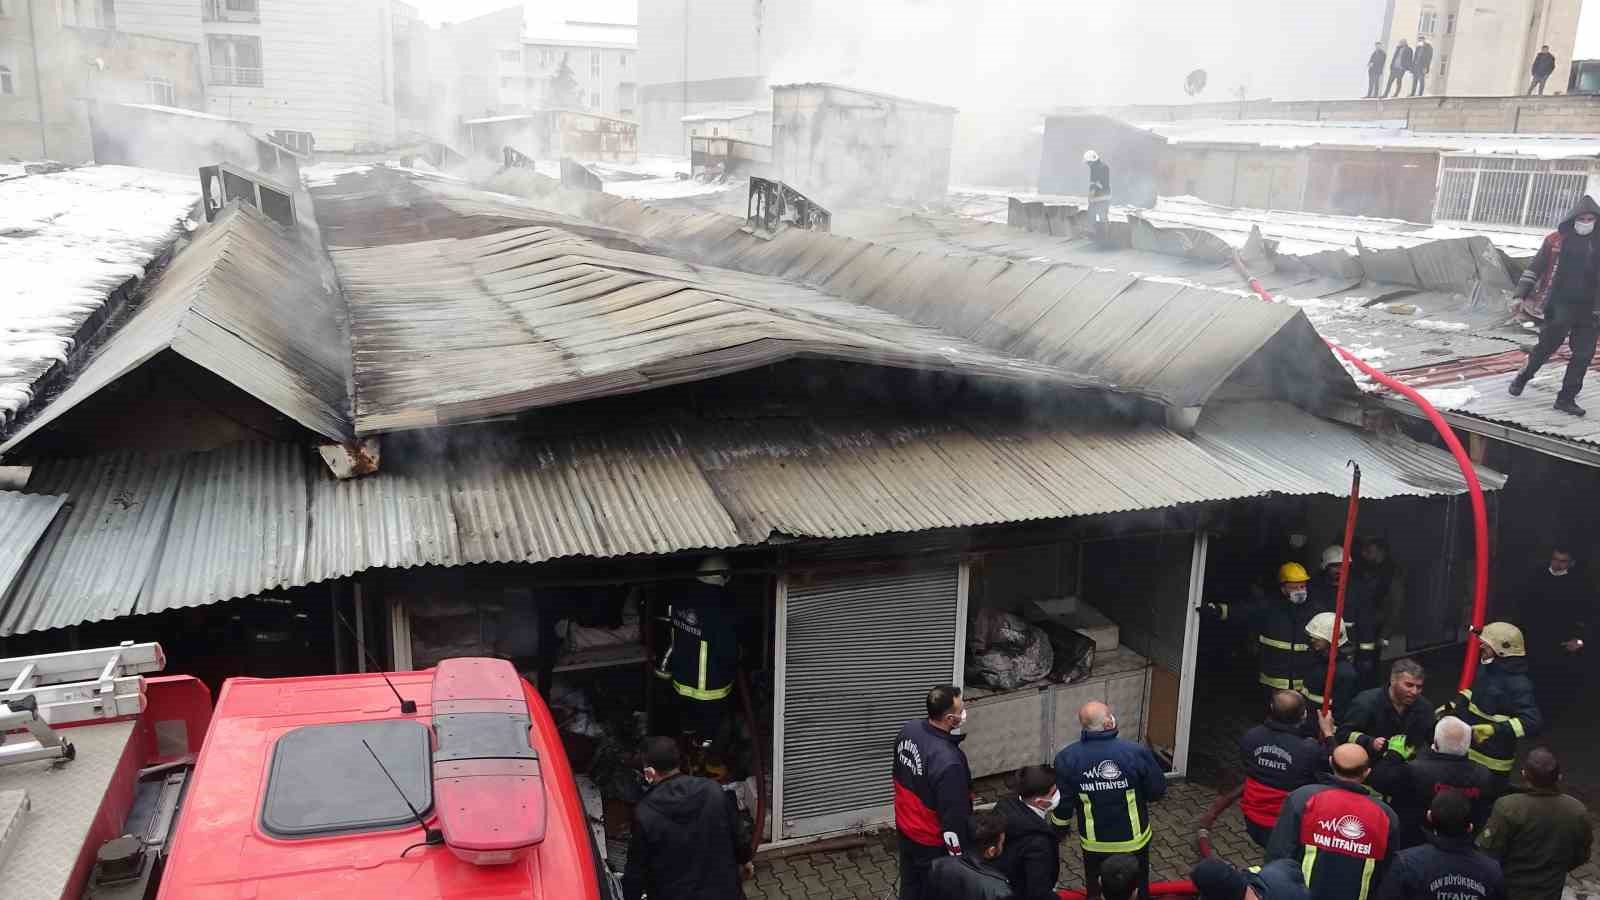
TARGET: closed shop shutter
(856,657)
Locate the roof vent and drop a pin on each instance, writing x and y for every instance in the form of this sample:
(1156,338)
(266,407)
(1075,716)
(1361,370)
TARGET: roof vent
(487,789)
(774,206)
(222,184)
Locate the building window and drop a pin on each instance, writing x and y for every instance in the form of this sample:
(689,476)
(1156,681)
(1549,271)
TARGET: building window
(1444,66)
(1428,21)
(7,84)
(546,58)
(235,59)
(231,11)
(594,64)
(508,82)
(594,99)
(87,13)
(299,141)
(160,91)
(622,60)
(511,56)
(1450,24)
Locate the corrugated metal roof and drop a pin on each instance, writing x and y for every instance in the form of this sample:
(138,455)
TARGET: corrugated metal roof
(1176,344)
(145,534)
(23,520)
(247,303)
(1482,395)
(458,329)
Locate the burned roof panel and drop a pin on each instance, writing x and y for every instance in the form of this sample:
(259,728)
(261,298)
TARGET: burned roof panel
(23,521)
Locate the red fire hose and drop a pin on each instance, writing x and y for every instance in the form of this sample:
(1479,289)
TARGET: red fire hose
(1344,581)
(1480,517)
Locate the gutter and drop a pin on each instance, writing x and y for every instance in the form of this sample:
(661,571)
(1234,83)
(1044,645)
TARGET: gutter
(1528,440)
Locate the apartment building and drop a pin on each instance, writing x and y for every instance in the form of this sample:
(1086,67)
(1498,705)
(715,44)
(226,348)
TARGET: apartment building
(313,74)
(1485,48)
(57,57)
(509,63)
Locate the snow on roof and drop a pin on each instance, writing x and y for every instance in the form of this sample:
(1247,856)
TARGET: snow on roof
(179,111)
(1298,135)
(491,120)
(725,114)
(66,241)
(580,33)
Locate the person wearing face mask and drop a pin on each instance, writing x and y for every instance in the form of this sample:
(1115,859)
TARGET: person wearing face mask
(684,844)
(1555,612)
(1279,626)
(1313,673)
(1500,705)
(1032,855)
(1278,759)
(1562,287)
(1110,783)
(932,789)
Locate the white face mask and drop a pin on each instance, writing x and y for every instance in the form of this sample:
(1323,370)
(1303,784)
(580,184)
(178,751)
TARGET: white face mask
(1583,227)
(1560,573)
(1298,597)
(1054,801)
(961,723)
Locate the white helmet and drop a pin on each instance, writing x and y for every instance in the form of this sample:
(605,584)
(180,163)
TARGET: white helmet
(1321,628)
(1333,556)
(1090,156)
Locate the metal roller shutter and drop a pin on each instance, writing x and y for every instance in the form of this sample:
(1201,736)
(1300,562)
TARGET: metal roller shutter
(856,656)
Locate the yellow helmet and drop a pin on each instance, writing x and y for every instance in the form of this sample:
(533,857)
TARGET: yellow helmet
(1504,638)
(1321,628)
(1291,572)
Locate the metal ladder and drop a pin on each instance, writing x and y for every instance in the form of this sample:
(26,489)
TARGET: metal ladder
(73,686)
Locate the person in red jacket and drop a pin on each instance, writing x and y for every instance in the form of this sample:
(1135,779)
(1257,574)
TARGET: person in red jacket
(1337,832)
(1279,758)
(932,789)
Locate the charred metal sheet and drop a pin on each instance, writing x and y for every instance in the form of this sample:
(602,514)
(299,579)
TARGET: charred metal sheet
(579,177)
(23,520)
(775,206)
(1192,243)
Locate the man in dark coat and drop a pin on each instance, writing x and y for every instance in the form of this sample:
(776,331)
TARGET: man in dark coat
(1031,859)
(1443,767)
(1556,609)
(972,875)
(1278,759)
(932,789)
(1563,284)
(685,843)
(1448,867)
(1539,835)
(1372,577)
(1375,69)
(1390,724)
(1544,65)
(1421,63)
(1399,65)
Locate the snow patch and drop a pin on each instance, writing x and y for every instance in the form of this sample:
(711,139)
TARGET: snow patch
(1449,398)
(1436,325)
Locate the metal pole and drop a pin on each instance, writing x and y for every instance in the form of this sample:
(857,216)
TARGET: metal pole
(361,628)
(1344,581)
(1191,652)
(38,80)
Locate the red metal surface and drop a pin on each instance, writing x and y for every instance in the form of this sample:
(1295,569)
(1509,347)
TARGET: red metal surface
(1182,888)
(1344,582)
(1480,517)
(170,699)
(220,850)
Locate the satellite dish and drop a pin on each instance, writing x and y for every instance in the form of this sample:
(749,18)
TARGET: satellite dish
(1195,83)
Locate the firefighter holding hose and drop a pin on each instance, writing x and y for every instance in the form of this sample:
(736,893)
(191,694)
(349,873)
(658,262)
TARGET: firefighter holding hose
(1500,705)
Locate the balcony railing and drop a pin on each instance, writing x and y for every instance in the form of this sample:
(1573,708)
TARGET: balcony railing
(240,76)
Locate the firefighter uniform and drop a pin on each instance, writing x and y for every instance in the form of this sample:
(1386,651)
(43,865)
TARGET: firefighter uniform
(1111,783)
(1500,705)
(1280,628)
(1311,677)
(1278,759)
(1371,715)
(704,655)
(1340,835)
(1446,868)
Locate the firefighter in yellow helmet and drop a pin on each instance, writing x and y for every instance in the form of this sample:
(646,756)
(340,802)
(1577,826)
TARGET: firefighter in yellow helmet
(1500,705)
(1280,627)
(1313,672)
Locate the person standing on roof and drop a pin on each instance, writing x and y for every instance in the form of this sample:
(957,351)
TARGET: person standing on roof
(1448,867)
(1312,678)
(1375,69)
(1399,65)
(704,654)
(1562,285)
(932,789)
(1337,832)
(1544,65)
(1279,759)
(1279,625)
(1099,194)
(1390,724)
(1440,768)
(685,840)
(1421,62)
(1500,705)
(1111,783)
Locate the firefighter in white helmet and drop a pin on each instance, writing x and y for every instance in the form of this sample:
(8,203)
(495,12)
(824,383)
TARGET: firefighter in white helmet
(1500,705)
(1314,666)
(1099,193)
(1360,609)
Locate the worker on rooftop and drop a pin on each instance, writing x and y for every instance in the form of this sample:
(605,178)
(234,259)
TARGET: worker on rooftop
(1562,288)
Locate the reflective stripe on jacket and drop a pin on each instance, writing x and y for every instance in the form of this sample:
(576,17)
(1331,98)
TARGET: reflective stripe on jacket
(1111,782)
(1502,696)
(1339,834)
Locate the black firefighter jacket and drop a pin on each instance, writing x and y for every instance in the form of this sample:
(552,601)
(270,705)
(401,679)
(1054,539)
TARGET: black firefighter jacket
(1278,759)
(963,878)
(1371,716)
(1031,857)
(1341,837)
(1445,868)
(1280,628)
(1432,773)
(1502,696)
(685,843)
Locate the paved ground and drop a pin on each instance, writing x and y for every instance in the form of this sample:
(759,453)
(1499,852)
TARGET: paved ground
(870,871)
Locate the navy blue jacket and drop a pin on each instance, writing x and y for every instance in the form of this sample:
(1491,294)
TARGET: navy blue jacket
(1445,868)
(1279,880)
(1432,773)
(704,655)
(1278,758)
(932,786)
(1111,782)
(1339,834)
(1502,696)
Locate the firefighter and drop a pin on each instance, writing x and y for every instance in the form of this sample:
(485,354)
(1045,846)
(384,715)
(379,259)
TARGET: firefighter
(1389,724)
(1111,783)
(1437,769)
(1279,626)
(932,789)
(1313,668)
(1278,759)
(1099,194)
(1500,705)
(1450,867)
(704,652)
(1336,831)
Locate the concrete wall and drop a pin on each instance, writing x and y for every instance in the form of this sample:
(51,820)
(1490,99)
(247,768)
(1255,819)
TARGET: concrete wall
(1383,185)
(1486,47)
(1133,155)
(840,146)
(46,115)
(1527,115)
(725,62)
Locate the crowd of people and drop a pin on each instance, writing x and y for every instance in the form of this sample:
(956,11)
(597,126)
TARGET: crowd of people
(1417,62)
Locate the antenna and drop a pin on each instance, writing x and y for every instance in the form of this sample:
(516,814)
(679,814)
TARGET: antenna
(407,707)
(430,836)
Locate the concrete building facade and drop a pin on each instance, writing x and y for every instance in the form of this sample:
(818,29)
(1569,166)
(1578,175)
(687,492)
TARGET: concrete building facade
(320,76)
(507,64)
(840,145)
(696,58)
(1485,48)
(55,59)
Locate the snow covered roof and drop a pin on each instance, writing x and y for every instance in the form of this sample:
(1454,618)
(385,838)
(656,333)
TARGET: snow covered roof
(726,114)
(578,33)
(491,120)
(1298,135)
(180,111)
(66,241)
